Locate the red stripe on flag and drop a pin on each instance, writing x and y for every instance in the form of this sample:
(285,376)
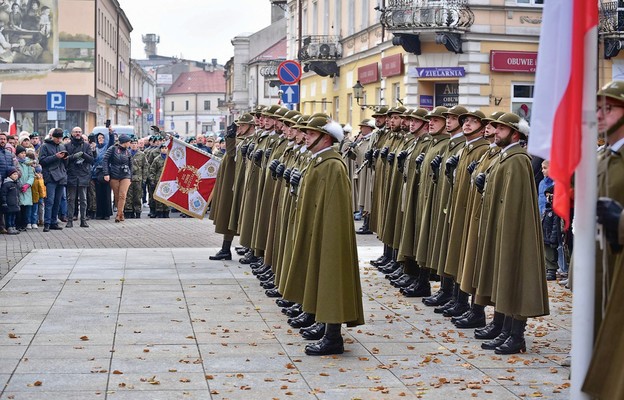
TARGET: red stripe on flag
(567,126)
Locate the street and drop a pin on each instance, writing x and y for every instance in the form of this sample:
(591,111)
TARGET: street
(136,310)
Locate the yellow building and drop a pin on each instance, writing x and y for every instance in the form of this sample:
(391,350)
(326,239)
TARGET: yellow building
(481,54)
(79,47)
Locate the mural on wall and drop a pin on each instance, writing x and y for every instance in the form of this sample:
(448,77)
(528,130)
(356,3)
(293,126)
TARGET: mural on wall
(28,34)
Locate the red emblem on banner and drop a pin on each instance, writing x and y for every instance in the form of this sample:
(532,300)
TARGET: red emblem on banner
(187,179)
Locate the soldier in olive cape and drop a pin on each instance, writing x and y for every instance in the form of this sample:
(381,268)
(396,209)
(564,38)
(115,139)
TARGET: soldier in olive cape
(364,174)
(222,195)
(606,371)
(134,202)
(513,270)
(325,239)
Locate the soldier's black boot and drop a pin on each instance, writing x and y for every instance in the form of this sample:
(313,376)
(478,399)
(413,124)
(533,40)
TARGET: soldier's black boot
(240,250)
(293,310)
(474,319)
(330,343)
(365,228)
(385,258)
(224,253)
(421,288)
(396,274)
(491,330)
(302,320)
(449,304)
(442,296)
(128,215)
(83,223)
(284,303)
(248,258)
(166,214)
(461,304)
(137,215)
(272,293)
(392,266)
(314,332)
(515,343)
(261,270)
(403,281)
(502,336)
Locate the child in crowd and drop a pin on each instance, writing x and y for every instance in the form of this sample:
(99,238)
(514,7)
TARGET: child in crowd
(551,224)
(38,195)
(9,200)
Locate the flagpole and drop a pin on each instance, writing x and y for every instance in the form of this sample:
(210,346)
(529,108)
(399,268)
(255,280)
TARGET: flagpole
(585,228)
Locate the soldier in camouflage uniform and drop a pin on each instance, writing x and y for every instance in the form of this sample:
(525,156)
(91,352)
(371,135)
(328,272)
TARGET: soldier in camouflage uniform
(134,202)
(161,210)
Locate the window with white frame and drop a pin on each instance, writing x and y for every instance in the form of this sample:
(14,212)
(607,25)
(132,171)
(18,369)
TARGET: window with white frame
(336,107)
(522,99)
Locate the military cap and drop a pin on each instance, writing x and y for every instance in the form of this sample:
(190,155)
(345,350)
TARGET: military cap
(514,122)
(134,139)
(162,145)
(439,111)
(326,126)
(34,134)
(66,134)
(478,114)
(368,122)
(281,112)
(419,113)
(396,110)
(381,111)
(456,110)
(408,112)
(246,118)
(492,117)
(270,112)
(613,90)
(288,117)
(319,114)
(258,110)
(302,123)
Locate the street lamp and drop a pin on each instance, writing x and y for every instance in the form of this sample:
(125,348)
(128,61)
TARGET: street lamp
(358,93)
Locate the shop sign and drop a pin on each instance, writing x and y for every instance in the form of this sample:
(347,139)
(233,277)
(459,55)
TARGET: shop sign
(368,73)
(513,61)
(437,72)
(426,101)
(446,94)
(392,65)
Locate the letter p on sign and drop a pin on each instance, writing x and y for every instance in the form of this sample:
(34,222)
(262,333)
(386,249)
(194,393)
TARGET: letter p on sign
(55,101)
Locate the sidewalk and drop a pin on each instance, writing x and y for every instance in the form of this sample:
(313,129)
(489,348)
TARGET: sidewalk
(167,323)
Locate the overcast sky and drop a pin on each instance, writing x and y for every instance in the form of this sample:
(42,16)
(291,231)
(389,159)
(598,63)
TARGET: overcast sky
(194,29)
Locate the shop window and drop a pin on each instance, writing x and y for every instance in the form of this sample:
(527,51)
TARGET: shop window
(446,94)
(522,99)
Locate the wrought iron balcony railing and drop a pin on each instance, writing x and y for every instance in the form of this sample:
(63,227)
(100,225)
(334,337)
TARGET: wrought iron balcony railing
(320,47)
(611,27)
(415,16)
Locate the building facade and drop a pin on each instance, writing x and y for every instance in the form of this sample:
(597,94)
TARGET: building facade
(479,53)
(191,104)
(88,61)
(142,97)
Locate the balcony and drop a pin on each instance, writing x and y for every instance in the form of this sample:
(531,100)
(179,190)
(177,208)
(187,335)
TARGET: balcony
(407,19)
(319,54)
(611,27)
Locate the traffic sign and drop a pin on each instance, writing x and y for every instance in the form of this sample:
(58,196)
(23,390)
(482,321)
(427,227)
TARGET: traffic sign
(289,72)
(290,94)
(56,101)
(150,117)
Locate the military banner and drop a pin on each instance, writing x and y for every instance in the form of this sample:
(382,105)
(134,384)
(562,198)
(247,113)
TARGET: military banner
(187,179)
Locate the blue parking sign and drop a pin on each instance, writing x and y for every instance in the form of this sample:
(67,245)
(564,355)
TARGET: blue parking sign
(56,101)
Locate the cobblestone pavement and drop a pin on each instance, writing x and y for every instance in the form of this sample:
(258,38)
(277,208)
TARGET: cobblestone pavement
(137,311)
(140,233)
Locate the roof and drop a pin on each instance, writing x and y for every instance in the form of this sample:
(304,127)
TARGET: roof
(198,82)
(275,52)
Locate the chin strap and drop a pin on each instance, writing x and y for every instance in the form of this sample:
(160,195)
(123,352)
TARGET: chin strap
(477,130)
(316,141)
(618,124)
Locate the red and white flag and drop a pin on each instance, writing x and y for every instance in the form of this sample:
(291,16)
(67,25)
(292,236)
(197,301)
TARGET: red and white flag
(558,96)
(12,124)
(187,179)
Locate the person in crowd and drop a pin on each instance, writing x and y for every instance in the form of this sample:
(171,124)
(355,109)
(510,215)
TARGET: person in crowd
(38,198)
(117,165)
(53,159)
(7,160)
(27,178)
(78,176)
(103,208)
(161,210)
(9,199)
(134,202)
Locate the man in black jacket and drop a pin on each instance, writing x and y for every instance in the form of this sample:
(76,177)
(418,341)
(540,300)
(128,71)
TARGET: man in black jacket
(80,160)
(53,159)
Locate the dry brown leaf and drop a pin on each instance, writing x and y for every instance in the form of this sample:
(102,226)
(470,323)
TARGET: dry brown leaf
(324,374)
(153,381)
(290,366)
(245,387)
(122,385)
(269,379)
(173,370)
(35,383)
(13,336)
(117,372)
(210,377)
(214,391)
(185,380)
(240,376)
(146,350)
(84,338)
